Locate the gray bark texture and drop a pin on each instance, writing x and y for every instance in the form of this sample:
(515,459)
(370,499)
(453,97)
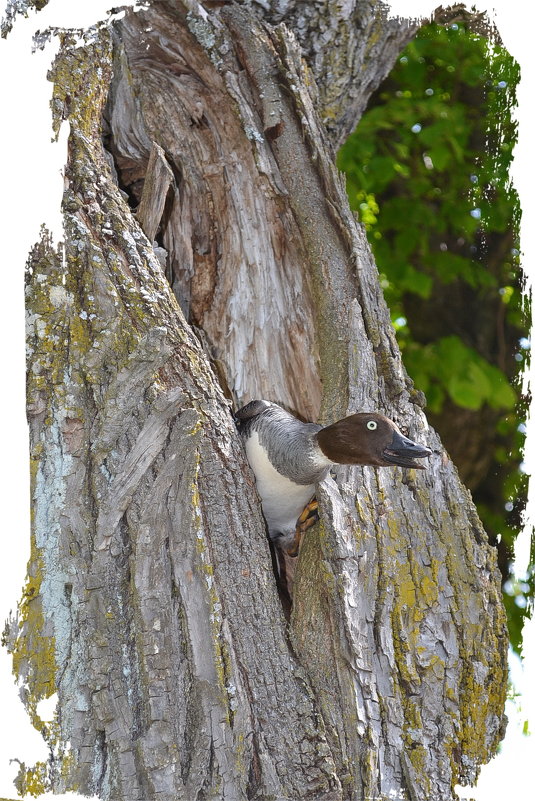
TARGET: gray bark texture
(151,607)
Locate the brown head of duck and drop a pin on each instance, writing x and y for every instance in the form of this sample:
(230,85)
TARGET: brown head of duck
(370,438)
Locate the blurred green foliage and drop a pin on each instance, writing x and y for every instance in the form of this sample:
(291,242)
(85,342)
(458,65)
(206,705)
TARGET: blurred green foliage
(427,172)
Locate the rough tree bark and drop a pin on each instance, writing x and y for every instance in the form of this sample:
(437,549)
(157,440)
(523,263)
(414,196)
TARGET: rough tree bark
(151,606)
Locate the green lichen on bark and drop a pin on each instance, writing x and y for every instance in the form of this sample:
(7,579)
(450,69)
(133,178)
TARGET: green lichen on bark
(411,582)
(480,694)
(482,688)
(483,695)
(332,99)
(221,657)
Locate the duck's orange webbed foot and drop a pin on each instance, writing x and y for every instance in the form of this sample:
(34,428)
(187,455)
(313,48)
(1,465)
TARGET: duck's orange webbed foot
(306,519)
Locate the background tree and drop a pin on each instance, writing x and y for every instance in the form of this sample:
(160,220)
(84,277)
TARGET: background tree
(150,606)
(449,263)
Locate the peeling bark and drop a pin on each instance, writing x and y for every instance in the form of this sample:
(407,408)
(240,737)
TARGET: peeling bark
(151,606)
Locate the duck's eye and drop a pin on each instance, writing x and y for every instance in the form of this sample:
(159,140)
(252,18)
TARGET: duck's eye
(371,424)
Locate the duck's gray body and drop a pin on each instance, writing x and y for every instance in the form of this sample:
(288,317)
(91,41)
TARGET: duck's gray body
(287,463)
(289,457)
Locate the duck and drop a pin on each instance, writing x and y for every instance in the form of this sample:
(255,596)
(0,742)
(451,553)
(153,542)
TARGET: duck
(289,458)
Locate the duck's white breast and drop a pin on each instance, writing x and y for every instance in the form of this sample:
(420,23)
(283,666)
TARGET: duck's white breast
(282,499)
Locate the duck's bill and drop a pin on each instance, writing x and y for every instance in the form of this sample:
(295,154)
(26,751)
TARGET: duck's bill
(403,451)
(405,461)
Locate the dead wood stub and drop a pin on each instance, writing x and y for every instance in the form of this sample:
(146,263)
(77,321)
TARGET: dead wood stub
(157,181)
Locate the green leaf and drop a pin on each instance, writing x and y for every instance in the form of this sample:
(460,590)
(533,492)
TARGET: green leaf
(406,242)
(415,281)
(464,393)
(502,394)
(440,155)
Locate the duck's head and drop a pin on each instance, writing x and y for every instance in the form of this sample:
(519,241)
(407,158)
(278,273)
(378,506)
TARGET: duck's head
(369,438)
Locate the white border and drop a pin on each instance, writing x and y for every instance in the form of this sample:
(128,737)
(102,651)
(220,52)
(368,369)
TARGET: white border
(32,189)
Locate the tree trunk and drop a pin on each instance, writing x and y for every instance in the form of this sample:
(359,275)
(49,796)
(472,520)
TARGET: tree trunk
(151,606)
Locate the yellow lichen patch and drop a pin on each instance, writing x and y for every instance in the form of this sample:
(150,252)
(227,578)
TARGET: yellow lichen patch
(407,591)
(241,761)
(33,651)
(404,644)
(429,590)
(197,427)
(415,592)
(68,770)
(46,327)
(481,689)
(417,756)
(436,564)
(32,781)
(413,748)
(478,695)
(451,694)
(79,89)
